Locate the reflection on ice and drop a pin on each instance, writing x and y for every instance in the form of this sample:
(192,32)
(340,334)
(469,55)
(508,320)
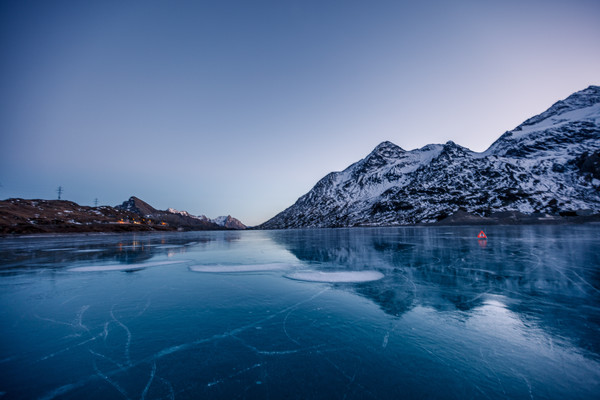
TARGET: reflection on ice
(240,268)
(336,277)
(124,267)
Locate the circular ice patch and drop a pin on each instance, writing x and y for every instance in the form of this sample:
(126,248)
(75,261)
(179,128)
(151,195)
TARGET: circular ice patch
(336,277)
(123,267)
(239,268)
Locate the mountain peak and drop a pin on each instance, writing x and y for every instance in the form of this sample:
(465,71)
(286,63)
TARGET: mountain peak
(384,151)
(137,206)
(591,90)
(383,154)
(229,222)
(386,147)
(578,100)
(566,123)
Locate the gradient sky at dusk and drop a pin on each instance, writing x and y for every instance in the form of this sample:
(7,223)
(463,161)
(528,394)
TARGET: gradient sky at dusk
(240,107)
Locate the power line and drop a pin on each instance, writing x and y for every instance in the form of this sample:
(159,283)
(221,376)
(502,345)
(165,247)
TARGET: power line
(59,191)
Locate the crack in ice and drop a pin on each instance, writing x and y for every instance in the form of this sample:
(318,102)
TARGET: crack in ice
(152,373)
(169,350)
(128,342)
(110,381)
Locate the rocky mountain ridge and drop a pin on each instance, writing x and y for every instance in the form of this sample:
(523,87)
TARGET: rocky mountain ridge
(228,221)
(545,168)
(179,218)
(19,216)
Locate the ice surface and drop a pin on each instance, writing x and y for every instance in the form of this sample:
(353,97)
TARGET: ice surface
(532,292)
(240,268)
(336,277)
(123,267)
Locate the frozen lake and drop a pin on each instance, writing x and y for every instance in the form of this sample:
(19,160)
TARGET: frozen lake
(326,314)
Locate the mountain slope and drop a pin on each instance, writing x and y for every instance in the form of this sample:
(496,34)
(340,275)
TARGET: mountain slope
(227,221)
(61,216)
(171,217)
(18,216)
(181,219)
(550,164)
(137,206)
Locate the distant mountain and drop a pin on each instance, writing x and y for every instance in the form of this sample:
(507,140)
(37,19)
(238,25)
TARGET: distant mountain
(229,222)
(61,216)
(172,217)
(187,214)
(224,221)
(181,219)
(138,206)
(547,167)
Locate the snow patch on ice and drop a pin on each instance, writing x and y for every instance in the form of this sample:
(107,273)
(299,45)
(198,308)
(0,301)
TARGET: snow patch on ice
(239,268)
(336,277)
(123,267)
(59,249)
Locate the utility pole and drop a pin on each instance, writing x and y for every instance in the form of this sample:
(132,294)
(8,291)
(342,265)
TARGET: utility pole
(96,202)
(59,191)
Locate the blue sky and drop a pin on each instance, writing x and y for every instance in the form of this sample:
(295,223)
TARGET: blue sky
(240,107)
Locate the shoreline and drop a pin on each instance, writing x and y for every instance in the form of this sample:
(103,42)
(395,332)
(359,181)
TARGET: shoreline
(569,221)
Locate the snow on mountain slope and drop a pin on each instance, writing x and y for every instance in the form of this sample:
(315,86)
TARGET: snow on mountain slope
(187,214)
(220,220)
(549,164)
(226,221)
(229,222)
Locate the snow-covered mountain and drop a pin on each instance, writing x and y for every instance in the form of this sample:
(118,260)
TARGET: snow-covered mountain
(228,221)
(187,214)
(550,165)
(179,218)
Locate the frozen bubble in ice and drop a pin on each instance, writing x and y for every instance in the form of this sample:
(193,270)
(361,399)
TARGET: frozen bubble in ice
(123,267)
(336,277)
(239,268)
